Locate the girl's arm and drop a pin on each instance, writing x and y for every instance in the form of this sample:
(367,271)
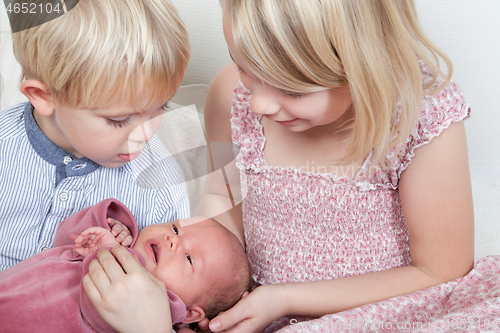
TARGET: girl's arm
(435,192)
(222,198)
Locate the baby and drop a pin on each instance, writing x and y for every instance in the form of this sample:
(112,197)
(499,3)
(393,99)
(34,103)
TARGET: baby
(202,264)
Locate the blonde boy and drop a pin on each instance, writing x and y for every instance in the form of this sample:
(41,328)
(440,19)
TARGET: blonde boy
(97,80)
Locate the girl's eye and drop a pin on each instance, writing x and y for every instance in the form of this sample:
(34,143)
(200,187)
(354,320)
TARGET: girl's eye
(175,229)
(239,68)
(189,259)
(118,123)
(291,94)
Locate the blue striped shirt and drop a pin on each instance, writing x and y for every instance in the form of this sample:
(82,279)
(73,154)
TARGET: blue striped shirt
(41,184)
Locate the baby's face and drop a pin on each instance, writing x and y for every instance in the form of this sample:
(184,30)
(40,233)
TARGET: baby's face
(188,257)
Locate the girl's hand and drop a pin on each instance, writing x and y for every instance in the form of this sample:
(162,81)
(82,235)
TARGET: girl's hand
(120,231)
(254,312)
(185,328)
(128,299)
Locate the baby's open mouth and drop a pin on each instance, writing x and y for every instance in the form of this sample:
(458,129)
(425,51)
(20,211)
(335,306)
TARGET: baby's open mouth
(156,252)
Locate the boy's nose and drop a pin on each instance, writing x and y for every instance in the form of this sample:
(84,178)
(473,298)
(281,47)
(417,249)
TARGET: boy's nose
(263,102)
(145,131)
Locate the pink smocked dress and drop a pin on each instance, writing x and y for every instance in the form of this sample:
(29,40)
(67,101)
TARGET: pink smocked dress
(307,226)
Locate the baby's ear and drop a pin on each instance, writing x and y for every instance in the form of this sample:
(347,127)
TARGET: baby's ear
(194,314)
(39,95)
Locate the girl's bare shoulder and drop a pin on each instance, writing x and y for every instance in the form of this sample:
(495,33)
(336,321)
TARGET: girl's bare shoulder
(218,103)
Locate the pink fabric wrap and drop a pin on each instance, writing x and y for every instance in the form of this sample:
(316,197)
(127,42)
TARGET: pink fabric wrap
(44,293)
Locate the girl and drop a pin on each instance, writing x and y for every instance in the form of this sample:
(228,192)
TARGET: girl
(354,170)
(353,159)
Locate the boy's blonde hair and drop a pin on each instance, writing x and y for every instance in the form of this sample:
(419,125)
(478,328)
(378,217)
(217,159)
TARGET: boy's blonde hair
(374,46)
(103,48)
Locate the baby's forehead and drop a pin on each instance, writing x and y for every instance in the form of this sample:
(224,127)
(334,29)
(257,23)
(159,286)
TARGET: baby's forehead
(199,221)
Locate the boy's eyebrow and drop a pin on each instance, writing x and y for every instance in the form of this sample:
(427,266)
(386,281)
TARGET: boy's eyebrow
(120,112)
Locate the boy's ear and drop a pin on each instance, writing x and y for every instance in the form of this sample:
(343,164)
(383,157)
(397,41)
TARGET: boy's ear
(194,314)
(39,95)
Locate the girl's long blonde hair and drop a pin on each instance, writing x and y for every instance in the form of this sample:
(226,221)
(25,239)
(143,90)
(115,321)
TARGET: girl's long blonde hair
(374,46)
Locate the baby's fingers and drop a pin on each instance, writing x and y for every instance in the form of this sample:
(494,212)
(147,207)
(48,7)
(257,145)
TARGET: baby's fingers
(120,231)
(116,227)
(124,237)
(127,241)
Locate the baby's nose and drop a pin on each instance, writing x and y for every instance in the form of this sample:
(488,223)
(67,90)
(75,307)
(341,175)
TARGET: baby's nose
(172,242)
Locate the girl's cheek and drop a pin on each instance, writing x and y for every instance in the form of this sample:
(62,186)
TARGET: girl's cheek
(247,81)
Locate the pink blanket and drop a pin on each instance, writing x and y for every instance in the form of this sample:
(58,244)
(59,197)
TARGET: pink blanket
(44,293)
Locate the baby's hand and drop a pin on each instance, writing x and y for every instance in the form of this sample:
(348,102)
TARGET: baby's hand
(121,232)
(96,237)
(92,239)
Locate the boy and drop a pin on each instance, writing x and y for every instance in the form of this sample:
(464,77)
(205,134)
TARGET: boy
(97,79)
(202,264)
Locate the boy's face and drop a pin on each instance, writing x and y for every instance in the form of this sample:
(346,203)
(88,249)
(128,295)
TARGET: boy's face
(188,258)
(110,136)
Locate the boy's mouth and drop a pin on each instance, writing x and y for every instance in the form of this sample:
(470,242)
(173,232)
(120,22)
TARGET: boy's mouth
(129,157)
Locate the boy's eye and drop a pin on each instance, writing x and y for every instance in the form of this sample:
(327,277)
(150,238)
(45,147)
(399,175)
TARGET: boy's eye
(189,259)
(118,123)
(175,229)
(165,107)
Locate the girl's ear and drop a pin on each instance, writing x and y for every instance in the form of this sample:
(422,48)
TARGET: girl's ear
(39,95)
(194,314)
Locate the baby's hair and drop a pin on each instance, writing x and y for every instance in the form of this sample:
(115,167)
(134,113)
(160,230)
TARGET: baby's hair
(376,47)
(228,290)
(103,48)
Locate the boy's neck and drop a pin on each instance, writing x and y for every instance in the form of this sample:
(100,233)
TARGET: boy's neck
(46,124)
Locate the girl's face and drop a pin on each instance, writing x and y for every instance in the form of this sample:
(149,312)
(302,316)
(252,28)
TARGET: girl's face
(298,112)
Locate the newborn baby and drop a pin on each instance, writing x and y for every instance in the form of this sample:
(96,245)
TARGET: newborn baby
(202,264)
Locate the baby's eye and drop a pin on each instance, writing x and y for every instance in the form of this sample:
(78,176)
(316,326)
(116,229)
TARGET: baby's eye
(239,68)
(118,123)
(189,259)
(175,229)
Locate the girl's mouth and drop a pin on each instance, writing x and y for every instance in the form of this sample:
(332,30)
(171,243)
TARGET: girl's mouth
(287,122)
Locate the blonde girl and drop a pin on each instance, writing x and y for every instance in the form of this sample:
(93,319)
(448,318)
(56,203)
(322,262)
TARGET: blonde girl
(352,154)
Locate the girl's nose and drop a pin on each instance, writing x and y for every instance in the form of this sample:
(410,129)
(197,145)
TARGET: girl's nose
(263,101)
